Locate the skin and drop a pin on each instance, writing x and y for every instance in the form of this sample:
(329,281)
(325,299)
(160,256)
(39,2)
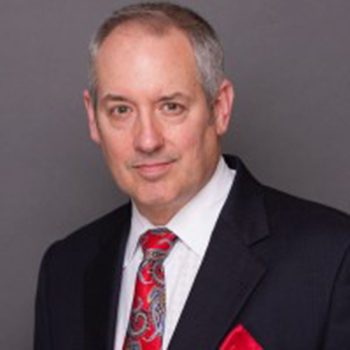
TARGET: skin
(160,139)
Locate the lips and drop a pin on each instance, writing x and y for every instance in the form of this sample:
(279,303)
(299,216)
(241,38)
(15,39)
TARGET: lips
(153,170)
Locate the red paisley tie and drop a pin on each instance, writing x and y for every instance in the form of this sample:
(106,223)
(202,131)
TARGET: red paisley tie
(147,318)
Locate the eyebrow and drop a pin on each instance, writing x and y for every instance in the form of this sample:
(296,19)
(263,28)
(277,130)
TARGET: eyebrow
(120,98)
(174,96)
(112,97)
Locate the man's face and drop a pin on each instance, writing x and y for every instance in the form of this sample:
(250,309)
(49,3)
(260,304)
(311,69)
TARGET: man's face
(152,121)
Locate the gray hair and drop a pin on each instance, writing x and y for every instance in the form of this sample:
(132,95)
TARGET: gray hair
(158,17)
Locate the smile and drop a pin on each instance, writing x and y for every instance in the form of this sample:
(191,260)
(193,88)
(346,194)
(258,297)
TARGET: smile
(153,170)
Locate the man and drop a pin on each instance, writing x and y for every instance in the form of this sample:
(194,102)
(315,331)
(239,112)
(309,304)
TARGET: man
(204,257)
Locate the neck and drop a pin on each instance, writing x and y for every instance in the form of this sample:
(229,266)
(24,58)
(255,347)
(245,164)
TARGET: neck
(159,215)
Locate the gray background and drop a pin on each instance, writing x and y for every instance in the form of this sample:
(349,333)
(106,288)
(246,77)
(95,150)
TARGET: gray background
(290,64)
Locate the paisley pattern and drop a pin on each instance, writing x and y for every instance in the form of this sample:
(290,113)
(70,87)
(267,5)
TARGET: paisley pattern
(147,318)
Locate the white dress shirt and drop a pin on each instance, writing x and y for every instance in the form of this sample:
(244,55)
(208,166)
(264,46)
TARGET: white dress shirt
(193,225)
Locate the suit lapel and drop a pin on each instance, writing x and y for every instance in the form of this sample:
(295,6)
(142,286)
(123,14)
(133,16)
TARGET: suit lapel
(229,272)
(102,283)
(228,275)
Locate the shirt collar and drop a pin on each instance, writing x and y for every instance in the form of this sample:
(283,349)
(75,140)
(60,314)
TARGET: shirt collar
(188,223)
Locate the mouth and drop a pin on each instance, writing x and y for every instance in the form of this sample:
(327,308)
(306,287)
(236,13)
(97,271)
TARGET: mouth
(153,170)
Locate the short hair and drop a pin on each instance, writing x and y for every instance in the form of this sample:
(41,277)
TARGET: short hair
(158,17)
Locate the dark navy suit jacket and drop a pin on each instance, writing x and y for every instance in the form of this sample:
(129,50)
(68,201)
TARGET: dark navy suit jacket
(276,264)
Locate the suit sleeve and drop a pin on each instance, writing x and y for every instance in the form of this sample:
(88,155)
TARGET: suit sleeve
(337,333)
(42,331)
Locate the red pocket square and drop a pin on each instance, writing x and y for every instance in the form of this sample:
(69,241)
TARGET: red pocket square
(240,339)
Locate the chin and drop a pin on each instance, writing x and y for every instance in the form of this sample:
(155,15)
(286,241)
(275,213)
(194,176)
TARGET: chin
(153,200)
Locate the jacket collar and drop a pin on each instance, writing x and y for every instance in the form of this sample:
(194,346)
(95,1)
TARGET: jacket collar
(230,271)
(102,281)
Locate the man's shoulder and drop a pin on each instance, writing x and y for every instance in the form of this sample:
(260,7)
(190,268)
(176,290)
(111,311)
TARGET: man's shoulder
(86,240)
(288,215)
(305,218)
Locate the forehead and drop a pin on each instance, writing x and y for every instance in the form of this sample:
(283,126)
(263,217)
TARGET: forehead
(142,29)
(135,54)
(133,37)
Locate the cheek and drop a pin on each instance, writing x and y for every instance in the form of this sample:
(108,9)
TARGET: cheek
(113,140)
(188,136)
(197,143)
(116,150)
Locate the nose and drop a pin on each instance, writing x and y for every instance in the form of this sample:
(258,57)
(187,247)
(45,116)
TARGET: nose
(148,136)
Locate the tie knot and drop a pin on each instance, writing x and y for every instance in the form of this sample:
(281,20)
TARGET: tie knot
(157,243)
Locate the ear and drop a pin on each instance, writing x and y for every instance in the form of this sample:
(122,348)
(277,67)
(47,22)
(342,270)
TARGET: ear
(91,114)
(223,106)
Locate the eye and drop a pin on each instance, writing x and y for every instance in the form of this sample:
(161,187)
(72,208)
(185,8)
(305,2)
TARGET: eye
(120,110)
(172,108)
